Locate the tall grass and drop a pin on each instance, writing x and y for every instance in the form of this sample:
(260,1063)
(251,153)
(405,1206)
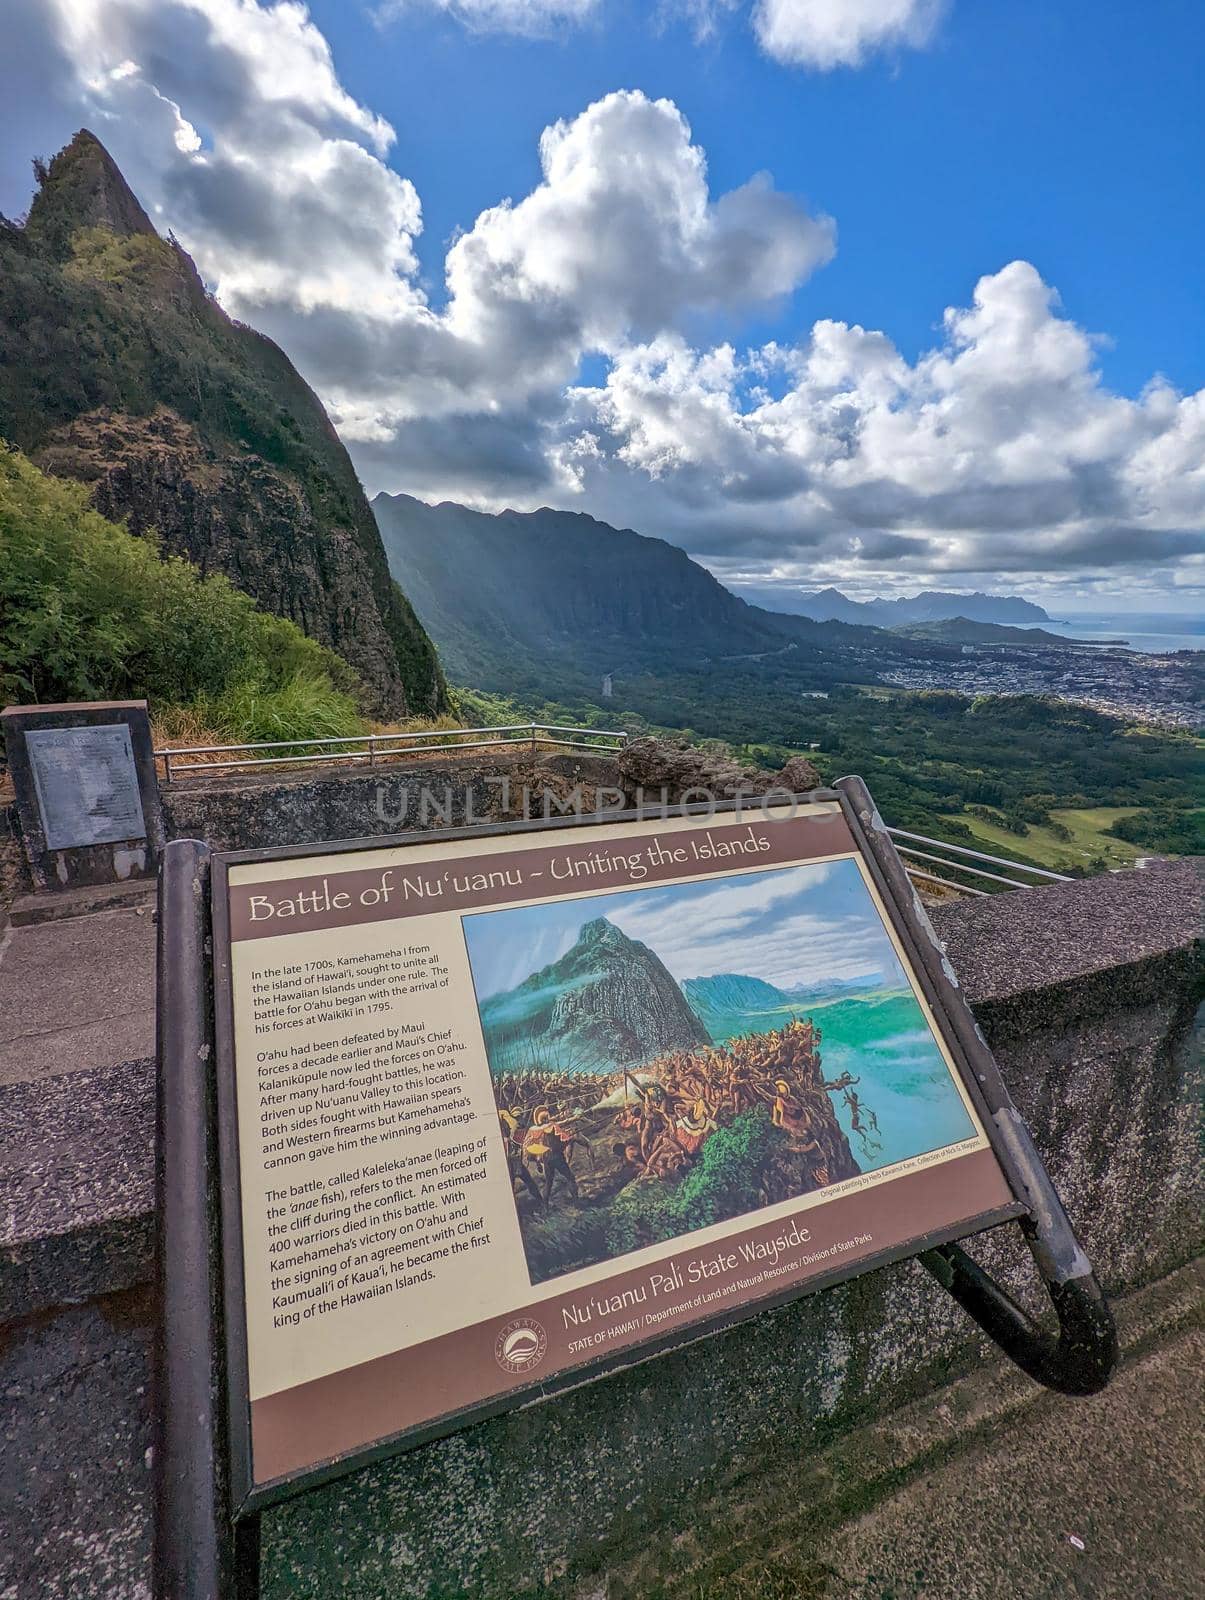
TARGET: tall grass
(304,707)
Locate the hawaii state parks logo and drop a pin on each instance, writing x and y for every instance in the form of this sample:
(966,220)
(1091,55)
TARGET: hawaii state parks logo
(521,1345)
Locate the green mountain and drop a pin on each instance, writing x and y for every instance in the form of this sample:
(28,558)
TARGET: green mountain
(550,601)
(728,993)
(732,1003)
(532,586)
(608,1002)
(118,369)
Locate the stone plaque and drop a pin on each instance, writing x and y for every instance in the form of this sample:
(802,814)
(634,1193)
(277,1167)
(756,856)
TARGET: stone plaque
(508,1109)
(87,785)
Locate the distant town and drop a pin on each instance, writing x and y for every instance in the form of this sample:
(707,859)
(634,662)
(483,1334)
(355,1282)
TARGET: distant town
(1167,691)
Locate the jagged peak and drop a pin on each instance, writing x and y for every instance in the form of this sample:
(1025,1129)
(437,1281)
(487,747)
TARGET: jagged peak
(83,187)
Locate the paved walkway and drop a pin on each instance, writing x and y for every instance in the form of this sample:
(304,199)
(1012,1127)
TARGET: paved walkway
(990,1489)
(1099,1498)
(76,994)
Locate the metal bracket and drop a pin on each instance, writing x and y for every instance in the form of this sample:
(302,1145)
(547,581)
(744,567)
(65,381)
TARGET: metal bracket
(1082,1357)
(1079,1361)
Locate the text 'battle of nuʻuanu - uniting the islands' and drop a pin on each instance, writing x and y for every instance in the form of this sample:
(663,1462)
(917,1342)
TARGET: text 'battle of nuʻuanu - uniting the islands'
(377,1225)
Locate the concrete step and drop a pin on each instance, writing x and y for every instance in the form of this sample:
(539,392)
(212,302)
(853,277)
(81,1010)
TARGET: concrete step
(77,993)
(30,909)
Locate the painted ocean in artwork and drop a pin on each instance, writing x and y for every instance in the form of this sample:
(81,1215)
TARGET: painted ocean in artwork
(670,1057)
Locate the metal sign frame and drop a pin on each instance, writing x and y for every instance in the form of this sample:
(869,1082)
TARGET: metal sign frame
(207,1505)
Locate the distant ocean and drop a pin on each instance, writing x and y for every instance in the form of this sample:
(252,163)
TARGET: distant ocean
(1153,632)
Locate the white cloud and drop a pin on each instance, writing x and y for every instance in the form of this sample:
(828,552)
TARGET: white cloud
(998,451)
(821,34)
(841,33)
(230,121)
(749,925)
(731,908)
(525,17)
(830,459)
(620,239)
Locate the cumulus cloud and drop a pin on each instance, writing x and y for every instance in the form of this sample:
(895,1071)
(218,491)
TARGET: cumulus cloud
(998,451)
(841,33)
(619,240)
(830,458)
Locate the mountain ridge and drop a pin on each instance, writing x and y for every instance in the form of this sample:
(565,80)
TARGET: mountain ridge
(929,605)
(118,369)
(962,630)
(518,599)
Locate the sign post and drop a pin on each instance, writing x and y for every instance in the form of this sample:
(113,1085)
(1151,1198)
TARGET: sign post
(496,1112)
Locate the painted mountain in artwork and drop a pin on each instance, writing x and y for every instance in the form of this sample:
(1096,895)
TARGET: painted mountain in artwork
(608,1002)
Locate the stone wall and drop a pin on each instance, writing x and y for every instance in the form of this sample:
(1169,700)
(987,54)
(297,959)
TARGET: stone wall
(253,810)
(1086,991)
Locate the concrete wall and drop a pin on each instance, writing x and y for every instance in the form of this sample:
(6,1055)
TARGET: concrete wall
(250,813)
(1086,992)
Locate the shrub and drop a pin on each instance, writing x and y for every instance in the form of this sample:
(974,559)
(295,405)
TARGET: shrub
(88,611)
(1163,830)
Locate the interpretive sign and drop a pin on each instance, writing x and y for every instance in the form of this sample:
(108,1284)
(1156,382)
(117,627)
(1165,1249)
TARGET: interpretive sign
(87,785)
(501,1110)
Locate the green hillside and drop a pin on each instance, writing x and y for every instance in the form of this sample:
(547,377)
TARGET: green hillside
(961,630)
(119,370)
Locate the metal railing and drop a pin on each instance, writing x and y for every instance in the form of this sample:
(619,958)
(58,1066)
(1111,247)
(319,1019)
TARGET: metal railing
(910,853)
(372,747)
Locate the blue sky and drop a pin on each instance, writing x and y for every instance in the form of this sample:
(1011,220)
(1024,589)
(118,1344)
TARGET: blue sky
(1063,131)
(799,925)
(878,293)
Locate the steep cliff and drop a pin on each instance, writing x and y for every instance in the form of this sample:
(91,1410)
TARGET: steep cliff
(117,368)
(548,601)
(500,591)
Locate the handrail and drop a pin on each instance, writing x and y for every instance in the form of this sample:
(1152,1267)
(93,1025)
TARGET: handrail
(347,738)
(958,866)
(367,746)
(979,855)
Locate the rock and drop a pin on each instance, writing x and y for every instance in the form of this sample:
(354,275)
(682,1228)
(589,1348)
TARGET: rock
(655,764)
(119,370)
(799,776)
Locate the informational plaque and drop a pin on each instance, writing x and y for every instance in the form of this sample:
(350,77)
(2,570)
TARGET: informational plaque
(514,1107)
(87,785)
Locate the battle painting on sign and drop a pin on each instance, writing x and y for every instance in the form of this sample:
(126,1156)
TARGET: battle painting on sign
(674,1057)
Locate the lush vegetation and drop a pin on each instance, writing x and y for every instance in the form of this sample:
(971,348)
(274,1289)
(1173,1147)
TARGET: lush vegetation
(88,611)
(1163,830)
(1040,780)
